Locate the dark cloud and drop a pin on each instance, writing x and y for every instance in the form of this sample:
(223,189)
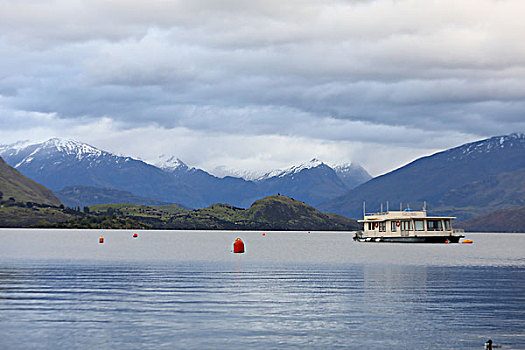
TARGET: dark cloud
(366,72)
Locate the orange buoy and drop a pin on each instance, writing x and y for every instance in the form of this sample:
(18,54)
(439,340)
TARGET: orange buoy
(466,241)
(101,239)
(135,235)
(238,246)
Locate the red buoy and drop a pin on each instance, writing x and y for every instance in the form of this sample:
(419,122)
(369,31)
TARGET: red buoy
(238,246)
(101,239)
(135,235)
(264,234)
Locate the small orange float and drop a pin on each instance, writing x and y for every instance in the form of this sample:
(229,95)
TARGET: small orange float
(238,246)
(466,241)
(101,239)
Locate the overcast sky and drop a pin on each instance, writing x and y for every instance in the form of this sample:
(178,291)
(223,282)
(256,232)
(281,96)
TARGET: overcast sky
(263,84)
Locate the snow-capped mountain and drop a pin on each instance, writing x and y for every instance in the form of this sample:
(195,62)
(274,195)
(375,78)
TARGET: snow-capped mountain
(468,180)
(294,169)
(170,163)
(58,163)
(22,154)
(491,145)
(312,182)
(352,174)
(223,171)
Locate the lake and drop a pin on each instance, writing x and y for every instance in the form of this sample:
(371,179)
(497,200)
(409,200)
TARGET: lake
(61,289)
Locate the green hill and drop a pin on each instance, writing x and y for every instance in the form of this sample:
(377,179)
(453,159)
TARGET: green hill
(34,216)
(270,213)
(503,220)
(15,187)
(284,213)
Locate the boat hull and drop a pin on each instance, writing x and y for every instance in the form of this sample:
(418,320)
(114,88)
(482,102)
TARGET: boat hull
(409,239)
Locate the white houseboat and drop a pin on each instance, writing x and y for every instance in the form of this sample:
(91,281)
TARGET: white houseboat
(407,226)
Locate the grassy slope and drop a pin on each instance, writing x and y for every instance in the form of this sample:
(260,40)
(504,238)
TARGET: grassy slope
(22,189)
(14,216)
(289,214)
(270,213)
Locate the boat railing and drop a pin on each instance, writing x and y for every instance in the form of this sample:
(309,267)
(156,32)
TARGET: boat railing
(376,213)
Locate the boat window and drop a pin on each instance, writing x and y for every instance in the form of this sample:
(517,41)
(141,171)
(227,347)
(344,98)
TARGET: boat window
(447,224)
(370,226)
(406,225)
(419,225)
(434,225)
(382,226)
(393,226)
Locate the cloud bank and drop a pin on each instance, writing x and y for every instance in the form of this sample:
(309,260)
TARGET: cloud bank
(263,83)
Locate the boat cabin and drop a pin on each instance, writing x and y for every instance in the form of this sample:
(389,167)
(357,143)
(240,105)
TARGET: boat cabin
(406,223)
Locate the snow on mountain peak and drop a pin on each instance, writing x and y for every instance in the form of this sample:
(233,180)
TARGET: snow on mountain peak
(25,152)
(16,147)
(487,145)
(223,171)
(314,163)
(342,167)
(494,142)
(170,163)
(71,147)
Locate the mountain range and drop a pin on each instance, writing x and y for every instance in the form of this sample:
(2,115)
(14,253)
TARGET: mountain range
(467,181)
(25,203)
(464,181)
(84,175)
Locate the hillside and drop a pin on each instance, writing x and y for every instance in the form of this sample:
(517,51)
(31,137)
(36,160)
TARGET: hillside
(495,191)
(81,196)
(270,213)
(468,180)
(284,213)
(503,220)
(16,187)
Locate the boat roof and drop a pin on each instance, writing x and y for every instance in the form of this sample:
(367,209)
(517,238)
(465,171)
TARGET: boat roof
(405,218)
(401,215)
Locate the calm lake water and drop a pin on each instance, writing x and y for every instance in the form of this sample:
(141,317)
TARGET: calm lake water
(61,289)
